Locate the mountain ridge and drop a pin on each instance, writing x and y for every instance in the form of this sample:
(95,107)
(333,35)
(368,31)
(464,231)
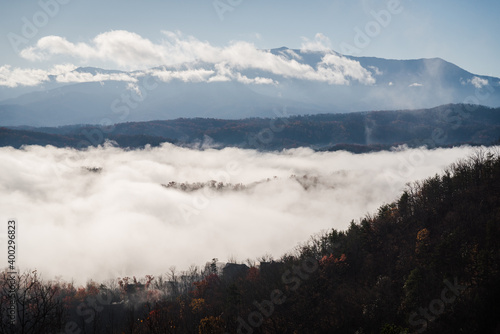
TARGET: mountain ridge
(446,125)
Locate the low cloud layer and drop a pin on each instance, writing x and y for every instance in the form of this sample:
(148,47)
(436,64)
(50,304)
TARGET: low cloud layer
(14,77)
(130,51)
(83,223)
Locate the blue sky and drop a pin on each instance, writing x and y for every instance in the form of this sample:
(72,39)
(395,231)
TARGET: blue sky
(460,31)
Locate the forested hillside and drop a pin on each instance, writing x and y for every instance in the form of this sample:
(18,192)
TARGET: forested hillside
(447,125)
(428,262)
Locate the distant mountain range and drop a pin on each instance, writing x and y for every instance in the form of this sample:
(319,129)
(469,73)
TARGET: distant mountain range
(447,125)
(105,97)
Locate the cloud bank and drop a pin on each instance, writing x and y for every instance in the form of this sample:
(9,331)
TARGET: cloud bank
(84,223)
(178,55)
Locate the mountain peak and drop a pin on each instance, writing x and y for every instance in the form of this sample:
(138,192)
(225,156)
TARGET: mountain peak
(283,48)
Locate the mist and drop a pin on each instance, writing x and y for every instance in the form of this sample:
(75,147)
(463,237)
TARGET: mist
(103,213)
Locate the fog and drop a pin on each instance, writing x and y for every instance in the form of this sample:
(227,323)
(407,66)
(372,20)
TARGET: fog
(103,213)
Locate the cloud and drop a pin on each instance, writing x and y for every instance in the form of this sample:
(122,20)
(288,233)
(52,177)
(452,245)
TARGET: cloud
(338,69)
(195,75)
(375,70)
(13,77)
(257,80)
(478,82)
(416,84)
(131,51)
(321,43)
(134,88)
(219,74)
(120,221)
(292,53)
(119,46)
(75,77)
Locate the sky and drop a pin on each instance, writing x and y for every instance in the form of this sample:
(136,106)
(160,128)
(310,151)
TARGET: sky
(43,34)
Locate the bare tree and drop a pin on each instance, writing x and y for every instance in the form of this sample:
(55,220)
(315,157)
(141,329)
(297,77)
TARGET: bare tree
(37,304)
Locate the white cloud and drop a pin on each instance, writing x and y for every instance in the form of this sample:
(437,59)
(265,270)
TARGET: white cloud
(195,75)
(221,72)
(75,77)
(415,84)
(13,77)
(321,43)
(337,70)
(121,222)
(134,88)
(257,80)
(292,53)
(375,70)
(131,51)
(478,82)
(119,46)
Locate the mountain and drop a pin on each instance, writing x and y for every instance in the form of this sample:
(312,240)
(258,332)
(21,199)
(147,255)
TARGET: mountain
(311,83)
(447,125)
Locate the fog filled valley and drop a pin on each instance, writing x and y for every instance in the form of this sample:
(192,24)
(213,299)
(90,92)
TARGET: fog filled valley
(117,240)
(103,213)
(112,212)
